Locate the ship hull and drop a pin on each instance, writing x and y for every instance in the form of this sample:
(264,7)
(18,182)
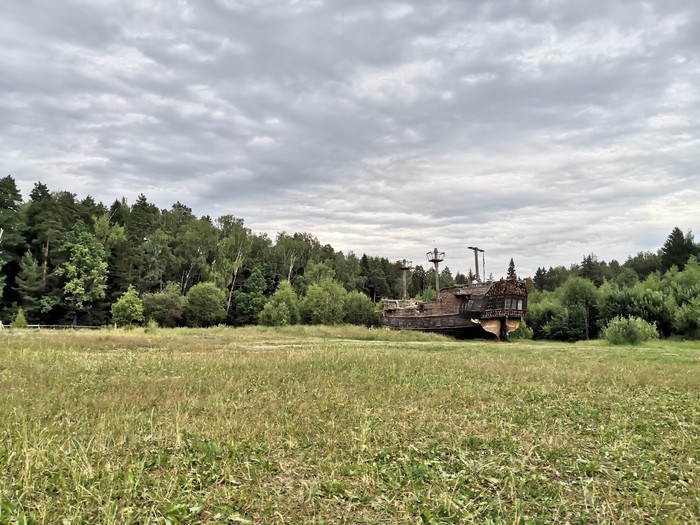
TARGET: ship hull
(489,310)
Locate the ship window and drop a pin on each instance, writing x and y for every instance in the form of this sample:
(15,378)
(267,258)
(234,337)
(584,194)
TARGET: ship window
(507,303)
(495,303)
(474,305)
(520,304)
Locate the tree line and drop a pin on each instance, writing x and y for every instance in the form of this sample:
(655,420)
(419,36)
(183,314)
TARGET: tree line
(661,288)
(65,260)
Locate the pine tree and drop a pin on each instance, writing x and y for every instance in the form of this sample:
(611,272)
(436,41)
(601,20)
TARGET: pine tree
(677,249)
(11,221)
(30,286)
(511,269)
(12,243)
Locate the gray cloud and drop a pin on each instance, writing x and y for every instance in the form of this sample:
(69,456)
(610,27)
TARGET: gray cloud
(538,130)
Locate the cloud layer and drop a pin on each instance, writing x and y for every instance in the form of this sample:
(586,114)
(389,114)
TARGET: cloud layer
(539,130)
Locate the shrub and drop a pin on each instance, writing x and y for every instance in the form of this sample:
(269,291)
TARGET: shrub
(629,330)
(165,307)
(20,321)
(522,332)
(360,310)
(128,310)
(324,303)
(282,309)
(151,327)
(206,305)
(686,318)
(274,314)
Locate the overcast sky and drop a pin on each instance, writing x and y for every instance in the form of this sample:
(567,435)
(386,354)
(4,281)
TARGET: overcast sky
(542,130)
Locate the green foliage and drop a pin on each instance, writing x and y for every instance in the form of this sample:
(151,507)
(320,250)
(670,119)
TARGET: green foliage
(251,300)
(349,272)
(446,279)
(206,305)
(644,264)
(157,258)
(578,295)
(677,249)
(629,330)
(85,270)
(511,269)
(324,303)
(283,307)
(196,248)
(686,318)
(639,301)
(20,321)
(627,278)
(29,285)
(12,222)
(55,268)
(550,280)
(595,271)
(128,310)
(274,315)
(360,310)
(165,308)
(429,294)
(151,327)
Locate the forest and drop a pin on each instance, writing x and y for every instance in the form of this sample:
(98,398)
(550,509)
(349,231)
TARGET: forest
(77,262)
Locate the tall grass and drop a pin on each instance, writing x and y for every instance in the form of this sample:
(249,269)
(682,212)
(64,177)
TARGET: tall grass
(344,425)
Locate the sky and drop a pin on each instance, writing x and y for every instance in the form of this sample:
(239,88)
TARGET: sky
(542,130)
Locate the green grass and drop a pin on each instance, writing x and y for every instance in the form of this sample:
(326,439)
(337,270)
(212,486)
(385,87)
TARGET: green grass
(344,425)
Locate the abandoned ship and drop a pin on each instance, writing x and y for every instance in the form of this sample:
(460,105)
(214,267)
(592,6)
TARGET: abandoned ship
(463,311)
(475,310)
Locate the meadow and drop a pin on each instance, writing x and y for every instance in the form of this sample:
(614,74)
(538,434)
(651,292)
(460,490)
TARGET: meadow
(344,425)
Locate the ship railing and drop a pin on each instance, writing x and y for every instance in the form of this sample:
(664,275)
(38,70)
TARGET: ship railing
(502,312)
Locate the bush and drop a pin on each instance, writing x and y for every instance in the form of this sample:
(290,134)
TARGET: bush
(282,309)
(206,305)
(20,321)
(324,303)
(360,310)
(629,330)
(128,310)
(686,319)
(165,307)
(151,327)
(274,314)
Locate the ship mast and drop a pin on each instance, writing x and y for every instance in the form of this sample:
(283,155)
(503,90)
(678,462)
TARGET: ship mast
(406,266)
(476,261)
(437,258)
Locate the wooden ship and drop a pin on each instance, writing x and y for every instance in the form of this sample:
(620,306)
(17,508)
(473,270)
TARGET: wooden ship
(477,310)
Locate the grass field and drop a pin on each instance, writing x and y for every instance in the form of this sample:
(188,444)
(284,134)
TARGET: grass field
(324,425)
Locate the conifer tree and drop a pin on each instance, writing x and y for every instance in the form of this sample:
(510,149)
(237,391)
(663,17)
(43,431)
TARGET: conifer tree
(677,249)
(30,286)
(511,269)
